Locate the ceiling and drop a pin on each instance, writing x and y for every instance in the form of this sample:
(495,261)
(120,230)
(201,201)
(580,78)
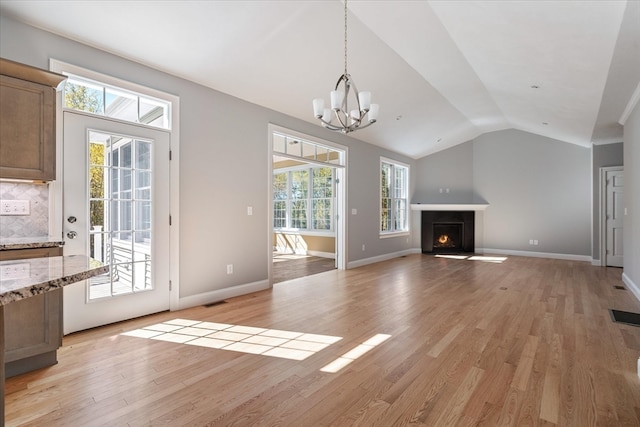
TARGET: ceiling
(443,72)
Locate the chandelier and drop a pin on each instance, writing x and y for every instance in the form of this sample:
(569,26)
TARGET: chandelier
(364,115)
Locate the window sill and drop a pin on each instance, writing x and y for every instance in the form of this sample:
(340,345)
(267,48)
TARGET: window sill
(394,234)
(305,232)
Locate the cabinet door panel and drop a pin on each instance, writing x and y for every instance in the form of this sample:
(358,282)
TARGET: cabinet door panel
(27,134)
(32,326)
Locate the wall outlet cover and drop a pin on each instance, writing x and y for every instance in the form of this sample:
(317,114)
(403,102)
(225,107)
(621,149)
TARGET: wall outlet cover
(14,207)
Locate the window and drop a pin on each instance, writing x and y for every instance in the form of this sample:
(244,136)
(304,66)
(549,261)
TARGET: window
(303,199)
(86,95)
(394,204)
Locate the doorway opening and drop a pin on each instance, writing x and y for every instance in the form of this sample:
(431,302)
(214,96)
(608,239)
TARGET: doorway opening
(307,182)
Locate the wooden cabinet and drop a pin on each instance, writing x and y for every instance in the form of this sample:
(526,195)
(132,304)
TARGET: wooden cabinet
(27,121)
(32,326)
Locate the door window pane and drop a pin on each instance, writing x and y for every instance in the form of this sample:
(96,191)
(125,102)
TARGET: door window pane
(120,209)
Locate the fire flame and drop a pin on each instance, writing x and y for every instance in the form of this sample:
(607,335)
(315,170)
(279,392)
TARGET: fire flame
(443,239)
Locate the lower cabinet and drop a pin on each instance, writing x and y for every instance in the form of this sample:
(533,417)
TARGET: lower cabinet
(33,326)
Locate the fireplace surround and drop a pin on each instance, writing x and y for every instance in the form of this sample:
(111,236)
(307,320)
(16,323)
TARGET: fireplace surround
(448,231)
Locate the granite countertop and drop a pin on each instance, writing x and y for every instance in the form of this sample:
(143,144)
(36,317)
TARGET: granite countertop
(29,243)
(38,275)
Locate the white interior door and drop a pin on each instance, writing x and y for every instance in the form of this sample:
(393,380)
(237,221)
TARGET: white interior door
(116,209)
(615,212)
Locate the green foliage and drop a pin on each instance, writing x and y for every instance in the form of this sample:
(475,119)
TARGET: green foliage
(96,182)
(82,98)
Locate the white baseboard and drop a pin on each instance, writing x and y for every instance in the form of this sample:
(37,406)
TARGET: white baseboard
(287,250)
(385,257)
(550,255)
(322,254)
(283,250)
(633,287)
(596,263)
(221,294)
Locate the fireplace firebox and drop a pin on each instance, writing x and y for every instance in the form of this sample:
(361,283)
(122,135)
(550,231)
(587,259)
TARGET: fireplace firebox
(448,231)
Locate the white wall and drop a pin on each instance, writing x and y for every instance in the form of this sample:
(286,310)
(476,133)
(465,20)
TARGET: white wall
(223,169)
(452,169)
(631,272)
(538,188)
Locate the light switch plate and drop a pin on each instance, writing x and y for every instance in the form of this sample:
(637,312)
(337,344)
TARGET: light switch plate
(14,207)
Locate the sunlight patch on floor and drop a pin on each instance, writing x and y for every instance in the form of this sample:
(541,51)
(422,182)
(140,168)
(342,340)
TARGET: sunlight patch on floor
(355,353)
(244,339)
(452,256)
(494,259)
(280,257)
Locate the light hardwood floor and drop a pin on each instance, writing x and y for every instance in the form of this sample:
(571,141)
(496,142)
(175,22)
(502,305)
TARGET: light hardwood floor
(288,267)
(522,342)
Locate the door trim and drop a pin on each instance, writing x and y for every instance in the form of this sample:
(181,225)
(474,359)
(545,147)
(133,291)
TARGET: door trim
(603,212)
(341,196)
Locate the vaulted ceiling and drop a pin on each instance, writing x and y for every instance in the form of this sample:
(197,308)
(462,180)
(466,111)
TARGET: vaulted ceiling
(443,72)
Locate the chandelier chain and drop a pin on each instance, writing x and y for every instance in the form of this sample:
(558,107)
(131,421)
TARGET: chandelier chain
(345,37)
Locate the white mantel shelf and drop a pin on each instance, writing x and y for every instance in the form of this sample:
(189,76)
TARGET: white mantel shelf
(449,206)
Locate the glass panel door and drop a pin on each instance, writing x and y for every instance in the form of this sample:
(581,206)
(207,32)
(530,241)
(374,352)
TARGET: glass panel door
(116,189)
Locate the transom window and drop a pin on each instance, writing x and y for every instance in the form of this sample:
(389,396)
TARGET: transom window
(394,204)
(93,97)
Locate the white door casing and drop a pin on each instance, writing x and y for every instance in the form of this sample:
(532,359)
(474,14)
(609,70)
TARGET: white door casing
(614,218)
(79,311)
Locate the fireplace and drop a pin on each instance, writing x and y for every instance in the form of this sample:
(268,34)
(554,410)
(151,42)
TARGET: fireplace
(448,236)
(448,231)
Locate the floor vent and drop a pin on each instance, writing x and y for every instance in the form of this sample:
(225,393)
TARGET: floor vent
(620,287)
(625,317)
(211,304)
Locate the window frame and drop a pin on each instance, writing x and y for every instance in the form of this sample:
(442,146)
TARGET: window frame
(309,230)
(393,232)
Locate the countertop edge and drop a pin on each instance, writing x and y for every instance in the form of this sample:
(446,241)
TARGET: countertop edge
(62,280)
(7,246)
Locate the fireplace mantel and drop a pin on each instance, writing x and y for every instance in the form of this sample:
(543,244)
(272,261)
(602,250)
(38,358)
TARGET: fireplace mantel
(449,206)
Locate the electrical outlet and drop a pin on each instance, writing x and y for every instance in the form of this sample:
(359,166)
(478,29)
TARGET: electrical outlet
(14,207)
(15,271)
(229,268)
(363,247)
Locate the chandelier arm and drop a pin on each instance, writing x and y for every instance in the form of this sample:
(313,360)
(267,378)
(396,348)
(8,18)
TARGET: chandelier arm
(367,125)
(355,90)
(340,118)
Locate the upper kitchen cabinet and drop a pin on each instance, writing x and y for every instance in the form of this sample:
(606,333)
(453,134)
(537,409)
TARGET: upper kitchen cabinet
(27,121)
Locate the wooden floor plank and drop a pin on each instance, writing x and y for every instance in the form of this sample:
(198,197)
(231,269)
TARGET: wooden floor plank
(525,342)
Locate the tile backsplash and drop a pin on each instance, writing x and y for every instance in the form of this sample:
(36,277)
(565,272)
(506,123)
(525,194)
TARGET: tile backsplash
(34,225)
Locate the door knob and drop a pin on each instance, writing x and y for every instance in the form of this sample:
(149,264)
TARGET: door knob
(72,219)
(72,234)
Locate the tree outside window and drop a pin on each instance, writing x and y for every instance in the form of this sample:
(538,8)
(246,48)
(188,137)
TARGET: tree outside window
(303,199)
(394,183)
